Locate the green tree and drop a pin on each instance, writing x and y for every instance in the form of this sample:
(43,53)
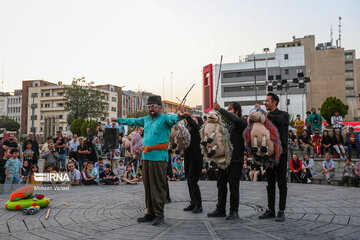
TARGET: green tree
(75,126)
(9,124)
(84,100)
(92,124)
(330,105)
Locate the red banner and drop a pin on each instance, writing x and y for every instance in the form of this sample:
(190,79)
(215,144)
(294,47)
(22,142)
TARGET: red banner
(354,124)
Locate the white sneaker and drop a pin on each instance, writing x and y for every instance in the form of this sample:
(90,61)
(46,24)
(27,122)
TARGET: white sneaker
(309,180)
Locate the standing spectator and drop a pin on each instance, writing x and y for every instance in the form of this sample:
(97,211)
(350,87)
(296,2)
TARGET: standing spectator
(83,152)
(308,168)
(305,143)
(120,128)
(295,169)
(100,129)
(51,158)
(92,156)
(307,123)
(59,144)
(299,125)
(45,147)
(10,143)
(25,171)
(326,143)
(3,161)
(357,173)
(348,173)
(28,154)
(98,145)
(92,174)
(73,146)
(315,120)
(336,121)
(292,142)
(74,174)
(328,166)
(316,140)
(352,141)
(109,124)
(338,144)
(1,149)
(34,147)
(13,170)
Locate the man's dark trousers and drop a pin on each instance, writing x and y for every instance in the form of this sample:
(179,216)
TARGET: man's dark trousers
(278,173)
(154,179)
(231,175)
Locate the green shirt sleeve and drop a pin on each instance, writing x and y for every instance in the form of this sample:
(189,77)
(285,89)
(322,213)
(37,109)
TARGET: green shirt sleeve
(139,122)
(171,120)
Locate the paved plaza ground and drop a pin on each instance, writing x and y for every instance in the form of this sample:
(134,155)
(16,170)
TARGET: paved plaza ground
(110,212)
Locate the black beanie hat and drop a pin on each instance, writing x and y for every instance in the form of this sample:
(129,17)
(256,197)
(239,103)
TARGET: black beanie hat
(155,100)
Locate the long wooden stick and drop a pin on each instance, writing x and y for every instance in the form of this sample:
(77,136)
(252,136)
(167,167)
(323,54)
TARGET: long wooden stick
(47,214)
(219,76)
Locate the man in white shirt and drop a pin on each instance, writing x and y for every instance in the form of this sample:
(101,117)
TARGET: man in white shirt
(73,147)
(336,121)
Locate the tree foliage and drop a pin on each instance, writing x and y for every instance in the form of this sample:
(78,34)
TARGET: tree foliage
(92,124)
(330,105)
(75,126)
(9,124)
(84,100)
(137,114)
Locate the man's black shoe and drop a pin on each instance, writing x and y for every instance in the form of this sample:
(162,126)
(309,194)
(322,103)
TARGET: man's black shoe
(146,218)
(158,221)
(280,217)
(197,210)
(189,208)
(216,213)
(267,214)
(232,216)
(168,200)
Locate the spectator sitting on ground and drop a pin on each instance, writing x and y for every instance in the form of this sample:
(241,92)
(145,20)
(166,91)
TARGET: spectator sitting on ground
(255,171)
(74,174)
(107,177)
(49,169)
(121,169)
(326,143)
(299,125)
(212,172)
(25,171)
(179,168)
(348,173)
(328,166)
(316,140)
(295,169)
(308,168)
(100,165)
(31,178)
(292,142)
(129,177)
(92,174)
(357,173)
(174,176)
(139,173)
(246,169)
(352,141)
(338,144)
(204,171)
(305,143)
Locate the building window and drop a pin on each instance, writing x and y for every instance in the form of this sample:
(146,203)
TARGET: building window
(60,116)
(349,83)
(286,56)
(42,105)
(113,99)
(243,74)
(286,71)
(42,94)
(41,117)
(349,65)
(348,56)
(60,93)
(41,128)
(350,91)
(47,94)
(349,73)
(47,105)
(60,104)
(34,95)
(113,109)
(34,117)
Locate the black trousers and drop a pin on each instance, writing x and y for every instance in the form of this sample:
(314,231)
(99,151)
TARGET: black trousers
(277,173)
(295,177)
(73,155)
(231,175)
(193,173)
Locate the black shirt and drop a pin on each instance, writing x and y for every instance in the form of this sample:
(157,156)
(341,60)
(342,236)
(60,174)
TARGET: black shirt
(83,148)
(10,144)
(105,175)
(60,150)
(281,122)
(236,127)
(305,139)
(326,140)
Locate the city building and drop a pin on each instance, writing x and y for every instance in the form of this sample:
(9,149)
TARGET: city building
(332,71)
(134,101)
(170,107)
(196,111)
(10,105)
(49,113)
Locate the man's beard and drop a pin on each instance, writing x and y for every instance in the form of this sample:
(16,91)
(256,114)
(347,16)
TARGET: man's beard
(153,113)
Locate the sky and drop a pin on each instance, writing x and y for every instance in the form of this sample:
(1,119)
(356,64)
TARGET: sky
(138,44)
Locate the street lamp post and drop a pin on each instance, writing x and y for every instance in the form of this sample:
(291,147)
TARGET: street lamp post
(266,70)
(255,79)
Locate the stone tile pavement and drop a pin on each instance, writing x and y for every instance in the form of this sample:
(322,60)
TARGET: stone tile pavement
(99,212)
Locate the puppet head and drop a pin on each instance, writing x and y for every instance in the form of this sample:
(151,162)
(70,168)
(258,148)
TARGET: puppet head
(257,115)
(214,117)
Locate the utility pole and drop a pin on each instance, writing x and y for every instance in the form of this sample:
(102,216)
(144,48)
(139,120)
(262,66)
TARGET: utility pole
(266,70)
(33,116)
(171,83)
(255,79)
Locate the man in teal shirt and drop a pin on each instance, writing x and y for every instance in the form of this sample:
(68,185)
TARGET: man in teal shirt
(157,128)
(315,121)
